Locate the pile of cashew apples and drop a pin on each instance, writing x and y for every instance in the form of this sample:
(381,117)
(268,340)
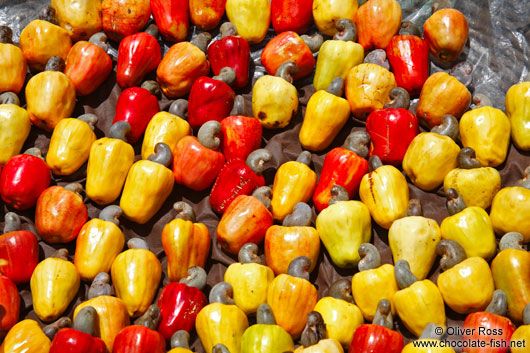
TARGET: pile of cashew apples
(193,116)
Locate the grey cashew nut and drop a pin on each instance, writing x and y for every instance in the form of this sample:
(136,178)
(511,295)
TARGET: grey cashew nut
(111,214)
(370,257)
(300,217)
(196,278)
(400,98)
(248,254)
(100,39)
(90,119)
(287,71)
(448,127)
(162,154)
(299,267)
(9,98)
(222,293)
(100,286)
(377,57)
(184,211)
(256,160)
(347,31)
(451,252)
(209,135)
(264,195)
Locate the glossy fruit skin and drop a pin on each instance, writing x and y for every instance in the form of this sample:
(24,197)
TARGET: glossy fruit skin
(10,304)
(327,12)
(112,317)
(294,182)
(69,146)
(180,67)
(171,17)
(221,323)
(284,244)
(266,339)
(81,19)
(508,210)
(472,229)
(20,249)
(274,101)
(136,275)
(15,126)
(236,178)
(209,100)
(108,164)
(370,286)
(54,284)
(40,40)
(335,59)
(69,340)
(186,244)
(325,116)
(164,127)
(502,327)
(50,97)
(368,88)
(284,297)
(468,286)
(341,318)
(343,227)
(414,239)
(519,339)
(98,244)
(138,54)
(446,33)
(250,282)
(139,339)
(341,167)
(284,47)
(408,56)
(391,132)
(59,215)
(124,17)
(511,273)
(23,179)
(26,337)
(291,15)
(377,21)
(87,66)
(245,220)
(517,108)
(386,194)
(146,188)
(429,158)
(442,94)
(327,345)
(419,305)
(206,14)
(376,339)
(477,186)
(13,68)
(241,136)
(137,106)
(252,18)
(179,306)
(487,131)
(232,52)
(206,164)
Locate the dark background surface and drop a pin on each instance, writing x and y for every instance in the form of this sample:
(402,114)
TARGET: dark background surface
(497,47)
